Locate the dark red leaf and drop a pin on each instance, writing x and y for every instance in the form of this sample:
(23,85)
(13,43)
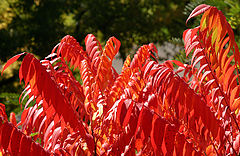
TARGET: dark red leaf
(147,122)
(6,130)
(35,149)
(25,146)
(169,137)
(121,111)
(179,144)
(157,133)
(15,141)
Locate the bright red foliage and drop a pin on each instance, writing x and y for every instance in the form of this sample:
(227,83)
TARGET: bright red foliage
(149,109)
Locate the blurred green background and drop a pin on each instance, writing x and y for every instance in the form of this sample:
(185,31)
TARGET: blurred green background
(36,26)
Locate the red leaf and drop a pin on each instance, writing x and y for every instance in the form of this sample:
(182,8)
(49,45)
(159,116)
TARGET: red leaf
(196,52)
(48,131)
(180,64)
(11,139)
(201,69)
(204,76)
(147,68)
(25,146)
(90,142)
(180,140)
(190,40)
(138,144)
(169,137)
(191,47)
(152,101)
(37,114)
(24,69)
(188,149)
(56,135)
(229,74)
(197,60)
(12,60)
(15,141)
(6,129)
(13,119)
(147,122)
(2,111)
(236,143)
(121,111)
(35,149)
(157,133)
(198,10)
(128,114)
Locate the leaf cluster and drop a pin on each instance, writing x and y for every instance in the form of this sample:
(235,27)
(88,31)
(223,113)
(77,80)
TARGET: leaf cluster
(153,108)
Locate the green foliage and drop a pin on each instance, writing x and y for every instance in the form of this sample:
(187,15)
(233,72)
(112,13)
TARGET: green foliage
(30,22)
(10,89)
(33,26)
(11,101)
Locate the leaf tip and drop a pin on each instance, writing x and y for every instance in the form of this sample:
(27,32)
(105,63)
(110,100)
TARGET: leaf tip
(198,10)
(11,61)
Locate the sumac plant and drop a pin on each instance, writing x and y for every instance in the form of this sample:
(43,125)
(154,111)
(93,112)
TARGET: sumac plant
(149,109)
